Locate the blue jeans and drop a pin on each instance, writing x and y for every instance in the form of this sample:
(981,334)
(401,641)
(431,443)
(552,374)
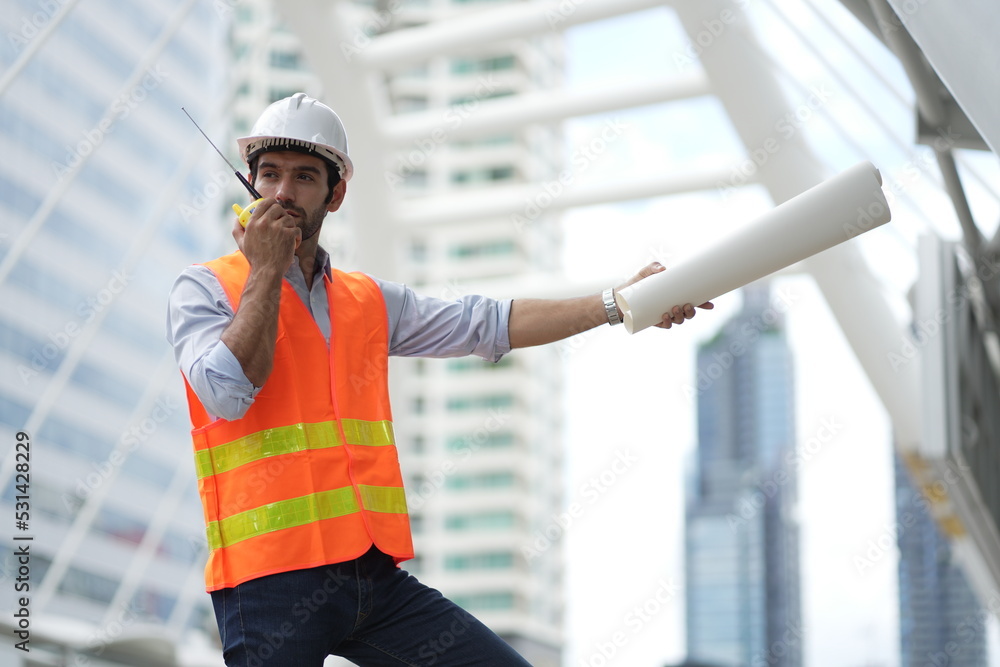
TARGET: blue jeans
(366,610)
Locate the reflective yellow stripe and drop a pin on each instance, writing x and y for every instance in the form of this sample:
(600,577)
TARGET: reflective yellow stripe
(289,439)
(373,434)
(389,499)
(302,510)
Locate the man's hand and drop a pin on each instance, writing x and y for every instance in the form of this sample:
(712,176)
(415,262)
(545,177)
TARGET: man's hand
(268,242)
(677,314)
(270,238)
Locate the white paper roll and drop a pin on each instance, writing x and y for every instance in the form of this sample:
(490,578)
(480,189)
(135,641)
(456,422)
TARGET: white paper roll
(823,216)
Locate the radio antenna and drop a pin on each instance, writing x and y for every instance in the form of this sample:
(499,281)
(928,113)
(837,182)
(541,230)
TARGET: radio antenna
(250,188)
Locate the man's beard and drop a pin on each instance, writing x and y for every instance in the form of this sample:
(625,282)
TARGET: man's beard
(309,223)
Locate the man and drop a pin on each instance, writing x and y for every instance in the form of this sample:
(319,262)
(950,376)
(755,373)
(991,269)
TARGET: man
(285,361)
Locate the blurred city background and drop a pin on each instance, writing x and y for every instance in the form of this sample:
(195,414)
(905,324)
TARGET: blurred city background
(807,475)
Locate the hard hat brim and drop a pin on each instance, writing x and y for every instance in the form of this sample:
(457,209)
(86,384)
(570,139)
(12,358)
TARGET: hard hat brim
(250,147)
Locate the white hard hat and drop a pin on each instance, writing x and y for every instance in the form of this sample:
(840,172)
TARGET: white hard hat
(300,123)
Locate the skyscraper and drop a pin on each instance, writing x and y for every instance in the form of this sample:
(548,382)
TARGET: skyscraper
(98,166)
(741,542)
(941,621)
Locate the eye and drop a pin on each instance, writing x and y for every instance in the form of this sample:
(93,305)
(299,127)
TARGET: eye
(268,174)
(307,177)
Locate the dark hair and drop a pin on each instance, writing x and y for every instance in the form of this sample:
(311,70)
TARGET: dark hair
(332,170)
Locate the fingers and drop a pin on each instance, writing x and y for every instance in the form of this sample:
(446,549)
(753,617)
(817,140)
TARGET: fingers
(678,314)
(271,235)
(644,272)
(650,269)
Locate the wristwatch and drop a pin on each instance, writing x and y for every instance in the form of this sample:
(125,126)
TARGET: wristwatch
(610,307)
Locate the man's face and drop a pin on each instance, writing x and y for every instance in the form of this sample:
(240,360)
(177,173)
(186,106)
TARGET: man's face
(299,184)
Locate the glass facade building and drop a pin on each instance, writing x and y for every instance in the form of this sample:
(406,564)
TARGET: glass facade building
(741,537)
(941,621)
(99,177)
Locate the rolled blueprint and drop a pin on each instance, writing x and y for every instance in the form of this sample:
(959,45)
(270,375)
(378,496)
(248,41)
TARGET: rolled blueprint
(823,216)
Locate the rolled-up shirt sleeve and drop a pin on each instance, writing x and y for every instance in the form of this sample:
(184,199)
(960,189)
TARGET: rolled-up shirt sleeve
(197,314)
(422,326)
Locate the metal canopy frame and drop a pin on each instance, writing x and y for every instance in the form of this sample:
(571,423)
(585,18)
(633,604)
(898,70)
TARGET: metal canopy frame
(735,71)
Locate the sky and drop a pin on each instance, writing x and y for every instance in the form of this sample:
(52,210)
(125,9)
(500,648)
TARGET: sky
(625,396)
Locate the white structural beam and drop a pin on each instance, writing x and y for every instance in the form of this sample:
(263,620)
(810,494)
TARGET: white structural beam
(354,94)
(404,48)
(524,203)
(33,45)
(509,113)
(745,85)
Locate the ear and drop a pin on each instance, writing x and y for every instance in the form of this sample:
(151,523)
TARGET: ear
(339,192)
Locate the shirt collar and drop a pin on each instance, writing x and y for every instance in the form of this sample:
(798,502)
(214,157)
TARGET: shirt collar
(322,264)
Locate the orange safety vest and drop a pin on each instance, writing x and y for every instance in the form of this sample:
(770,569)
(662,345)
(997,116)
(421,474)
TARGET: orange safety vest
(310,474)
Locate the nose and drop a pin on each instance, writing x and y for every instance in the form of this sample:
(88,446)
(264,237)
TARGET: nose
(285,192)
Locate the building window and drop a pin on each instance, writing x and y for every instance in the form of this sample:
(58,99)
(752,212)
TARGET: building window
(498,440)
(471,65)
(276,94)
(492,248)
(495,560)
(472,100)
(485,601)
(484,175)
(465,364)
(486,480)
(483,402)
(89,585)
(120,526)
(153,604)
(492,520)
(286,60)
